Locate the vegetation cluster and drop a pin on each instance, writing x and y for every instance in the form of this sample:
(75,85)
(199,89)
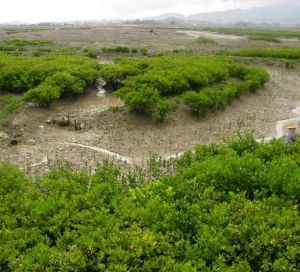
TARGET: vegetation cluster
(47,78)
(119,49)
(263,34)
(206,40)
(9,105)
(18,46)
(35,47)
(229,207)
(147,85)
(276,53)
(16,30)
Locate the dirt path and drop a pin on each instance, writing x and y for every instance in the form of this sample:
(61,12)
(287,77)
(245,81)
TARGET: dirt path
(129,139)
(100,150)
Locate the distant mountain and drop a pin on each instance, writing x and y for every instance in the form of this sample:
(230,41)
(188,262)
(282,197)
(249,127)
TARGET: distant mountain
(14,23)
(167,16)
(274,14)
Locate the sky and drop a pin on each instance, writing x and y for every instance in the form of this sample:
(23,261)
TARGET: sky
(34,11)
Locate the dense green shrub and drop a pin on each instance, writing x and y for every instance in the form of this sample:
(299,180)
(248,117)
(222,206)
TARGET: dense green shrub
(142,100)
(210,100)
(43,95)
(205,40)
(144,51)
(147,101)
(134,50)
(11,49)
(91,53)
(118,49)
(267,38)
(175,75)
(199,103)
(162,84)
(66,83)
(277,53)
(19,42)
(41,51)
(230,207)
(18,46)
(162,108)
(59,75)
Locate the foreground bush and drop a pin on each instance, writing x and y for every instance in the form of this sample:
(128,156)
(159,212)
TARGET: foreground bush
(230,207)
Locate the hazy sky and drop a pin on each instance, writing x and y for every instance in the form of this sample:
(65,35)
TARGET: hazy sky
(63,10)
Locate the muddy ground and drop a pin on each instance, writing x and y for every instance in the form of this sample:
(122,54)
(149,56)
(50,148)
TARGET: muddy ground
(105,129)
(153,38)
(128,139)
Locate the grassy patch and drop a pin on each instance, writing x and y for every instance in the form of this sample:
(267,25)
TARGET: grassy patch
(24,30)
(276,53)
(266,38)
(119,49)
(9,106)
(21,42)
(21,46)
(283,33)
(205,40)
